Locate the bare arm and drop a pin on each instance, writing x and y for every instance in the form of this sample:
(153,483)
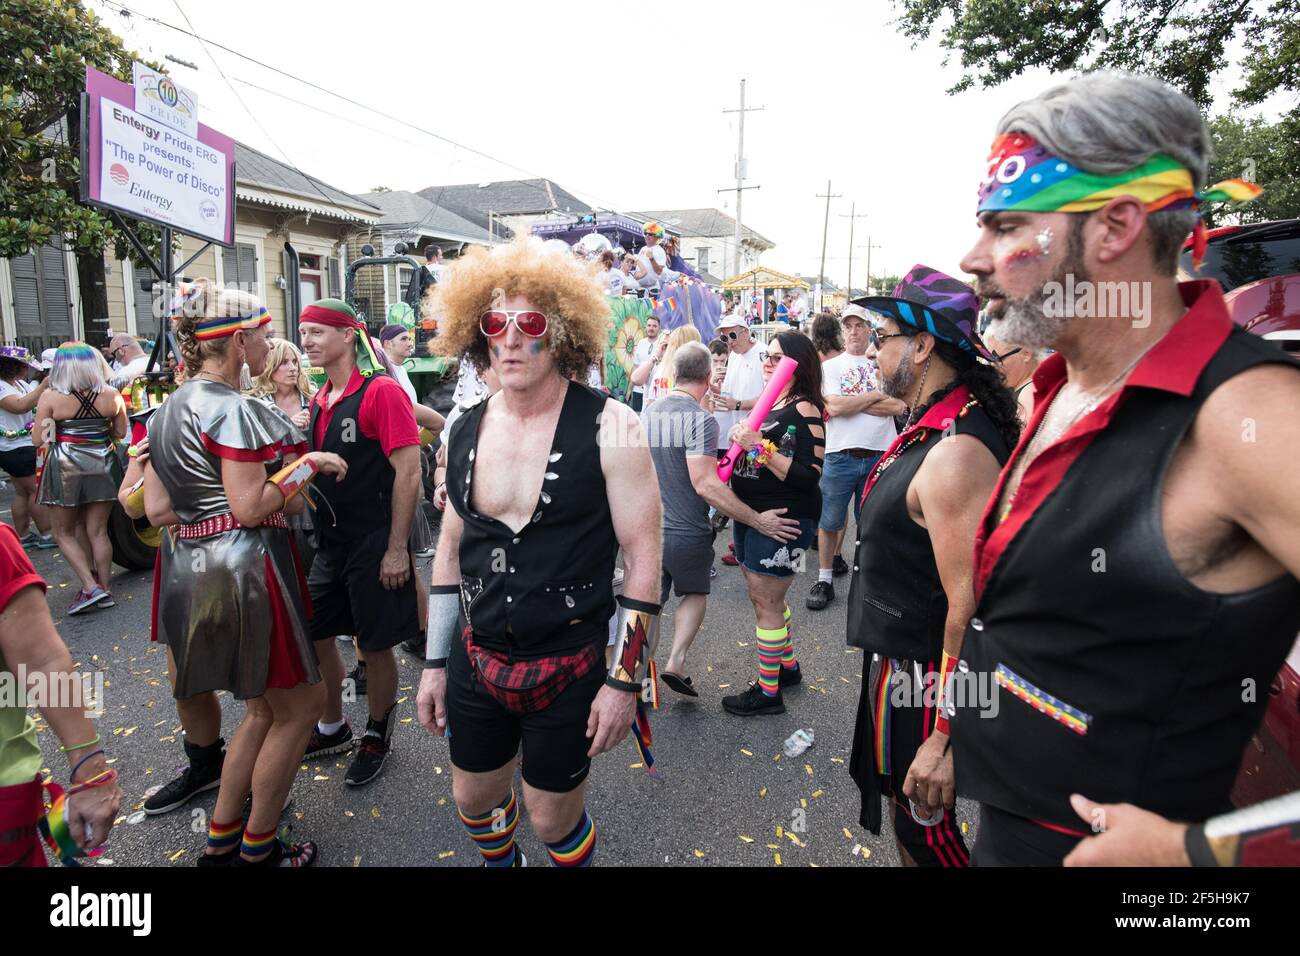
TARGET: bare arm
(157,503)
(872,403)
(426,417)
(637,517)
(42,424)
(28,639)
(704,479)
(406,492)
(109,403)
(21,404)
(252,498)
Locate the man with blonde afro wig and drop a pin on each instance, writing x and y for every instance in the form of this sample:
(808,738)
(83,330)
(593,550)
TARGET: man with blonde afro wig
(545,483)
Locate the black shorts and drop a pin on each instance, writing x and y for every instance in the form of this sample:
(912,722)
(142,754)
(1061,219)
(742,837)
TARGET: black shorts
(19,462)
(485,736)
(1004,839)
(686,562)
(347,596)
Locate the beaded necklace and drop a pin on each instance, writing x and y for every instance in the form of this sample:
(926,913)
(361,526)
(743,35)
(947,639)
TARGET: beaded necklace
(919,435)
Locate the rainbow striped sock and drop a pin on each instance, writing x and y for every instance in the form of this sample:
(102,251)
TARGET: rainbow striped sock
(771,646)
(578,848)
(787,656)
(494,832)
(257,845)
(224,837)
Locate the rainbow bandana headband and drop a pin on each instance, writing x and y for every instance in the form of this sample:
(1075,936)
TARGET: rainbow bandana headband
(228,325)
(340,315)
(1023,175)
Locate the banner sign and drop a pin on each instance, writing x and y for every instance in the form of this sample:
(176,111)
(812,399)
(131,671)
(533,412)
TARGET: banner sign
(136,164)
(160,98)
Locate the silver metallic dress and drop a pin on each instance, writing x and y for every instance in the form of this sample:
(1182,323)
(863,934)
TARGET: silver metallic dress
(82,466)
(229,601)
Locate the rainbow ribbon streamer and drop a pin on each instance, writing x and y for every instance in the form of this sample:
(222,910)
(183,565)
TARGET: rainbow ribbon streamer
(54,826)
(641,724)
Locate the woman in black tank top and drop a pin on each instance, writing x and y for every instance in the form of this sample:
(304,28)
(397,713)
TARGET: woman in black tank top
(788,480)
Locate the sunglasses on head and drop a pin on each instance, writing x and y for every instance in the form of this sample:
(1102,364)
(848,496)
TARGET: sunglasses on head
(494,322)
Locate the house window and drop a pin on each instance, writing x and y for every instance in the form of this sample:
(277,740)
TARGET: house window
(239,267)
(702,259)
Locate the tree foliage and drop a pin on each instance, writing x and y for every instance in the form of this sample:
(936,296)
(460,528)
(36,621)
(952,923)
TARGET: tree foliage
(45,46)
(1186,43)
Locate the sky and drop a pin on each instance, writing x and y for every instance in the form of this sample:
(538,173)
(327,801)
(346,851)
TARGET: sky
(621,105)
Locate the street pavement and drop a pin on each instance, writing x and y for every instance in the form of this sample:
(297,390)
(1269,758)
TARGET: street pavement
(724,795)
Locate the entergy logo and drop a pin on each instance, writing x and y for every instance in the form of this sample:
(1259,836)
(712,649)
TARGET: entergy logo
(117,172)
(75,909)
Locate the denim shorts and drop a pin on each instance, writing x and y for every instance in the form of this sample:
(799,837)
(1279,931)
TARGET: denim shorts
(842,476)
(767,556)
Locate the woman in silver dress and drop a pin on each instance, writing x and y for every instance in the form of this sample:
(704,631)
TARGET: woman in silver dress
(78,422)
(229,594)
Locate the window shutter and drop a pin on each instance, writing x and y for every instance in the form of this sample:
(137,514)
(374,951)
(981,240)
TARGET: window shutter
(27,295)
(54,276)
(248,268)
(335,286)
(230,264)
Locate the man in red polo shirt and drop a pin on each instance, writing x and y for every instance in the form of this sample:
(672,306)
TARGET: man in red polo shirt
(362,580)
(1135,572)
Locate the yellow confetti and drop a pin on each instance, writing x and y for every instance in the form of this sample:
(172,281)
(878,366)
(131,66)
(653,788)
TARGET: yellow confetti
(118,820)
(148,770)
(710,670)
(845,679)
(746,839)
(348,813)
(818,793)
(747,753)
(837,760)
(130,730)
(866,852)
(779,831)
(773,846)
(635,766)
(437,770)
(169,739)
(795,840)
(776,857)
(819,679)
(320,776)
(442,801)
(374,812)
(406,720)
(742,644)
(723,686)
(446,853)
(803,803)
(401,700)
(699,854)
(965,827)
(763,792)
(815,866)
(356,860)
(176,856)
(808,767)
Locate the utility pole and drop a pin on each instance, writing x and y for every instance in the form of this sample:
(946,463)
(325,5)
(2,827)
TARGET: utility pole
(851,217)
(741,170)
(869,248)
(828,196)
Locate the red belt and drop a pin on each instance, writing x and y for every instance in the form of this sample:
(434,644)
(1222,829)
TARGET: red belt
(223,523)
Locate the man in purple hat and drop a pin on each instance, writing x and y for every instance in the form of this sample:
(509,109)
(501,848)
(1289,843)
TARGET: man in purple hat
(910,594)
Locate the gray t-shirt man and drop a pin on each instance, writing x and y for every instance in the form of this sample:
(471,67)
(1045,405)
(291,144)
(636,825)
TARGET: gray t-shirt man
(675,427)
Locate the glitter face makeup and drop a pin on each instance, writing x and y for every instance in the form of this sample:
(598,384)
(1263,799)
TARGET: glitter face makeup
(1045,241)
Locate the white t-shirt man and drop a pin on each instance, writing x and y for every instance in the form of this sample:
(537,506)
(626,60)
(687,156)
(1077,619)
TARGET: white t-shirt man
(855,375)
(641,353)
(403,379)
(125,374)
(614,281)
(653,256)
(743,381)
(11,421)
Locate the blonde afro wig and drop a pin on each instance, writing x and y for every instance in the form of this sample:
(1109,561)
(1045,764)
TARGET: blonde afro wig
(556,283)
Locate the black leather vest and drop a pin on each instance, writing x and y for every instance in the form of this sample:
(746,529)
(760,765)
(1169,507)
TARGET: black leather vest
(1159,683)
(897,605)
(548,588)
(363,501)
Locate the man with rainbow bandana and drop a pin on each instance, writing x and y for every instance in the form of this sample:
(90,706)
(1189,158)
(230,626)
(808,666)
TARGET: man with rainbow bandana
(1135,569)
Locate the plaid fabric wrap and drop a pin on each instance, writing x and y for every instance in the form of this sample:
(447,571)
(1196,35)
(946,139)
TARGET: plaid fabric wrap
(525,687)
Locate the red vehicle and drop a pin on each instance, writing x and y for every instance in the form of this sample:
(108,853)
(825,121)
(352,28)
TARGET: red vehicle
(1259,269)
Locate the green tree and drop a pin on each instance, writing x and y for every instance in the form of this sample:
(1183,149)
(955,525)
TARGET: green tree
(884,285)
(1184,42)
(45,47)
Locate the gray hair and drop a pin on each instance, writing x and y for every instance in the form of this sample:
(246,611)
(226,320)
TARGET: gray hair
(1109,122)
(693,364)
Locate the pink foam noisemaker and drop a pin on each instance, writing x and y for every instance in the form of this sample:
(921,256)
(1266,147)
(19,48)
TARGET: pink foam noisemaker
(784,372)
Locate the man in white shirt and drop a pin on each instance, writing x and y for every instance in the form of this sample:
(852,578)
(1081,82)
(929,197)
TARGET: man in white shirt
(127,358)
(860,428)
(655,258)
(641,353)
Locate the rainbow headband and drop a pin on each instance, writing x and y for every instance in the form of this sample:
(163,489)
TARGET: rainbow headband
(221,327)
(1023,175)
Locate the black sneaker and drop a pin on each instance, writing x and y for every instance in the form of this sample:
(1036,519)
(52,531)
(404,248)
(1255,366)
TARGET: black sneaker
(822,593)
(372,752)
(753,702)
(322,745)
(790,676)
(839,567)
(413,646)
(358,677)
(194,779)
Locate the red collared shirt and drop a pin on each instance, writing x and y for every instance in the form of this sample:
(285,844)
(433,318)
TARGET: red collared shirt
(1173,365)
(386,415)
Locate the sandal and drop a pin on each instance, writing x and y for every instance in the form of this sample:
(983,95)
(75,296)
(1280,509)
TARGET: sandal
(284,854)
(678,683)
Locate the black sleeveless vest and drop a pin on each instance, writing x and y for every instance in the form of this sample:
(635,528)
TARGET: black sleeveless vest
(547,589)
(363,501)
(1159,684)
(897,605)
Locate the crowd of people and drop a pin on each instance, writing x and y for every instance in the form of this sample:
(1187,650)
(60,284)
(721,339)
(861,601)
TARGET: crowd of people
(1047,510)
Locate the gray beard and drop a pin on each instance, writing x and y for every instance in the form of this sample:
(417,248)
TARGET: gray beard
(898,384)
(1025,323)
